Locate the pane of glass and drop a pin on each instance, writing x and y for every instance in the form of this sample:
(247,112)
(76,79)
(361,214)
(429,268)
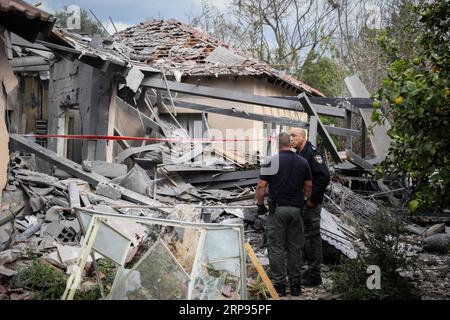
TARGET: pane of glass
(157,276)
(218,271)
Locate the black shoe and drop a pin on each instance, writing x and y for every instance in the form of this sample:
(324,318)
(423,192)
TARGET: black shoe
(296,289)
(312,281)
(281,290)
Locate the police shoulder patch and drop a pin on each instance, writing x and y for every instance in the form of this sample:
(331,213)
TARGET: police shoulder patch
(318,159)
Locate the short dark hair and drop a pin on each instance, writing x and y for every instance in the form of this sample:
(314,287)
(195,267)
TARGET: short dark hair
(284,140)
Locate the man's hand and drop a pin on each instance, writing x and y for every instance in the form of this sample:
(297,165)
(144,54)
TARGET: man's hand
(262,209)
(309,204)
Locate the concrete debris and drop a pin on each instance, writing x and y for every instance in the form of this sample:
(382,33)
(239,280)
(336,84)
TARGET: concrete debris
(11,255)
(54,259)
(109,190)
(32,229)
(435,229)
(53,214)
(61,233)
(106,169)
(437,243)
(136,180)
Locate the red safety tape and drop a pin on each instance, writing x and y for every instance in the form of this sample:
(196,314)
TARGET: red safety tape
(100,137)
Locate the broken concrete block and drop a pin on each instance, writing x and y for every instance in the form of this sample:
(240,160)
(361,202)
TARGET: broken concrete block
(7,272)
(435,229)
(68,255)
(11,255)
(61,174)
(72,224)
(436,243)
(54,259)
(32,229)
(59,201)
(6,232)
(109,190)
(47,243)
(53,214)
(37,203)
(42,192)
(138,181)
(60,232)
(106,169)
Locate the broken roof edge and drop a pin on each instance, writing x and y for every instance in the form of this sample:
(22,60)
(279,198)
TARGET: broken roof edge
(260,68)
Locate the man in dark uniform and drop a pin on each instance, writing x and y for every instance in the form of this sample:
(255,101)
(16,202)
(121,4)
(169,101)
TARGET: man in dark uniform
(311,216)
(289,180)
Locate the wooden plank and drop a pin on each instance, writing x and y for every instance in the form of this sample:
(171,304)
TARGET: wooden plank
(329,144)
(262,273)
(263,118)
(357,160)
(234,95)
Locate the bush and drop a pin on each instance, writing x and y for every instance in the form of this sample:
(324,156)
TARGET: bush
(46,282)
(384,250)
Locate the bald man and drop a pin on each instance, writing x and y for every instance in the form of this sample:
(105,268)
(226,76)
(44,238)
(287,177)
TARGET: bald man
(311,216)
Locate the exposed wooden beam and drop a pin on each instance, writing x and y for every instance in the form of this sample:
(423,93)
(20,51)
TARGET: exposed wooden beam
(238,96)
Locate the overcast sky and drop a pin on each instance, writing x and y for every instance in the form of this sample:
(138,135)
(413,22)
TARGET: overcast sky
(129,12)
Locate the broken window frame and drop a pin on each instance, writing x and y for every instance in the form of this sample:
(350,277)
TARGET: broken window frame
(99,217)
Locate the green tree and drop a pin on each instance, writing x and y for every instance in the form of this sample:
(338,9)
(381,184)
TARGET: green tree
(324,74)
(88,24)
(417,94)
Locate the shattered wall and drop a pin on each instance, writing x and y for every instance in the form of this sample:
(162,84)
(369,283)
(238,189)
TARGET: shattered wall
(8,82)
(254,129)
(79,90)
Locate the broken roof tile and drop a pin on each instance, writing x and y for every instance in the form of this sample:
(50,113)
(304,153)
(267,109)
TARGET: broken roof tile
(173,45)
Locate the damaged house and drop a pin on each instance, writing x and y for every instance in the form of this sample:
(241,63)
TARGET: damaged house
(151,140)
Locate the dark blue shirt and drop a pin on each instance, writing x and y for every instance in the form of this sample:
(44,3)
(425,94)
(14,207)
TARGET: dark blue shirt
(286,173)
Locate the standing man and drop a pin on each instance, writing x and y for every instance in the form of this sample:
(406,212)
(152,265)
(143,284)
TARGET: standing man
(311,216)
(289,179)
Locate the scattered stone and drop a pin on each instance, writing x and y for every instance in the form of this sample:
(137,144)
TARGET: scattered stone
(53,214)
(11,255)
(109,190)
(435,229)
(106,169)
(60,232)
(436,243)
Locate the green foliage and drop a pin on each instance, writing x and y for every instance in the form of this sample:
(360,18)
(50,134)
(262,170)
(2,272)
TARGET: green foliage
(88,25)
(46,282)
(338,141)
(383,250)
(324,74)
(257,290)
(109,269)
(417,94)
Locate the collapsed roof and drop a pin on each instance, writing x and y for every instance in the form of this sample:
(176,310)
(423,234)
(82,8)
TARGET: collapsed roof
(179,48)
(25,19)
